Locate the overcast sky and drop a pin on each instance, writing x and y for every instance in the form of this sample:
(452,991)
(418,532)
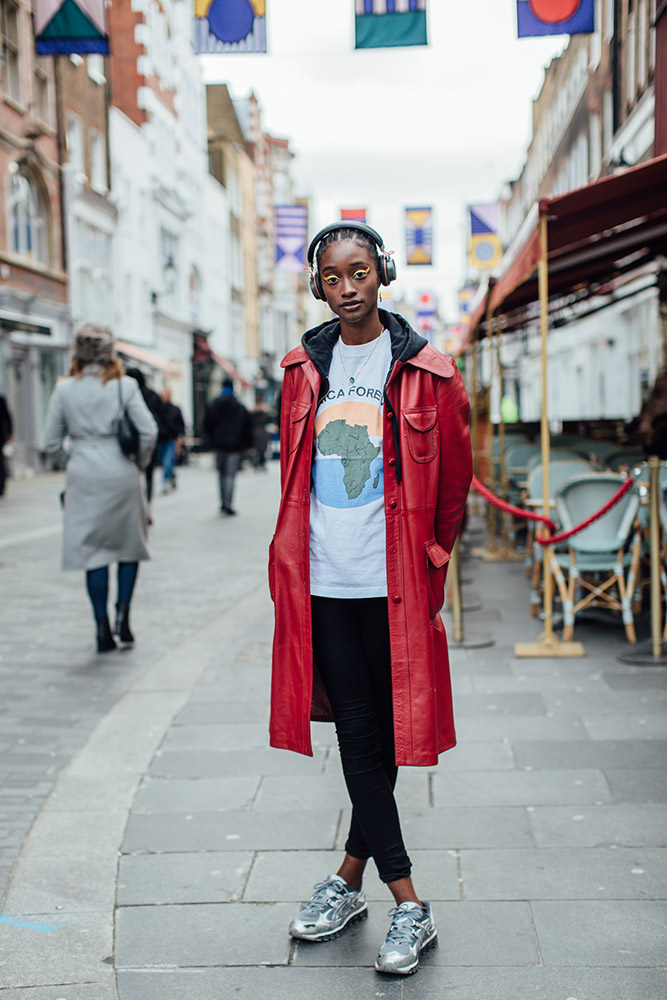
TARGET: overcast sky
(442,125)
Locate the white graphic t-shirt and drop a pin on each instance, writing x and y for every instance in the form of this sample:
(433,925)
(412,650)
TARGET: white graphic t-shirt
(347,529)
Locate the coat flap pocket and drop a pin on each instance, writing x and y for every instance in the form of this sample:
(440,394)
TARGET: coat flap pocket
(421,418)
(436,554)
(299,410)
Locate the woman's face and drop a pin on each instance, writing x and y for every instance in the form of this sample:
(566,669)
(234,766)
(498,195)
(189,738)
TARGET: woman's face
(350,280)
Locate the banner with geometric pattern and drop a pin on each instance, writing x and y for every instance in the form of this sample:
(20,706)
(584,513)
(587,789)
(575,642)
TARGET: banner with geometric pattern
(485,248)
(418,235)
(380,24)
(70,27)
(227,26)
(291,223)
(555,17)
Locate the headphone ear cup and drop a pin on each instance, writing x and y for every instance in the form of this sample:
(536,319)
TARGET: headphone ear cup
(316,286)
(387,270)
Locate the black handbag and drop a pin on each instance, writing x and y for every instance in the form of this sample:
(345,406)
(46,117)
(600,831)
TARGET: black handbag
(126,432)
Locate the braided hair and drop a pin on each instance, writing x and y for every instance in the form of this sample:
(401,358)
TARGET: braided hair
(339,235)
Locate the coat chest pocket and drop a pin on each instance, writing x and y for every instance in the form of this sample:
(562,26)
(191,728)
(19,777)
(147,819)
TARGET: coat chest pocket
(422,432)
(298,422)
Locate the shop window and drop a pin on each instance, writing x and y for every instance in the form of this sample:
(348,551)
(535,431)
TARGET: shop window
(27,214)
(11,76)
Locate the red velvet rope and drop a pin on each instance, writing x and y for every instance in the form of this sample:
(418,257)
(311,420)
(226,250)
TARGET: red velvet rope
(546,540)
(510,508)
(530,516)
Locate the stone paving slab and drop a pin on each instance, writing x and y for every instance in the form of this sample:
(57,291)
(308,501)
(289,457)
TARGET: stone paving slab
(623,825)
(605,754)
(282,875)
(468,934)
(232,831)
(218,713)
(67,991)
(453,828)
(604,702)
(507,788)
(195,794)
(68,948)
(478,705)
(649,726)
(257,984)
(74,885)
(204,935)
(208,877)
(544,984)
(512,727)
(232,763)
(619,932)
(231,736)
(565,873)
(637,785)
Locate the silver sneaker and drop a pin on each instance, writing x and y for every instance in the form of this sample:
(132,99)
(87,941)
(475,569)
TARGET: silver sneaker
(412,931)
(330,909)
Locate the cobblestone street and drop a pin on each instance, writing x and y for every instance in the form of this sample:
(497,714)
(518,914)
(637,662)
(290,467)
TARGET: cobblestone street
(154,848)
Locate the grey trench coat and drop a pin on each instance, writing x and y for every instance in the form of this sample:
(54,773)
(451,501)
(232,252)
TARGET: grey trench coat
(105,505)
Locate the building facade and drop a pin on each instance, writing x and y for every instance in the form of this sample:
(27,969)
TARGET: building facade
(35,330)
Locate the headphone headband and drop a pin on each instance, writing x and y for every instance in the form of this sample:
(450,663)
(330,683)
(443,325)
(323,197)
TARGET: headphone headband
(360,227)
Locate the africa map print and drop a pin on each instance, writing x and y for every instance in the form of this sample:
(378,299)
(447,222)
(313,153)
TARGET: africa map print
(348,472)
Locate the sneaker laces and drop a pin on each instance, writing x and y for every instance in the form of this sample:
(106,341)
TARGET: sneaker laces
(403,926)
(325,891)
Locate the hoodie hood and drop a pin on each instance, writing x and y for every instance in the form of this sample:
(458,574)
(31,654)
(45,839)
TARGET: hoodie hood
(320,341)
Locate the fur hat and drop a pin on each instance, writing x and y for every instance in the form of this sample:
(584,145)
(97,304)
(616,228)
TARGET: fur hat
(93,344)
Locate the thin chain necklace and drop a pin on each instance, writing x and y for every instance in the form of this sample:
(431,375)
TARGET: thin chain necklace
(353,378)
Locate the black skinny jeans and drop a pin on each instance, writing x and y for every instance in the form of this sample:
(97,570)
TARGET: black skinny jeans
(351,649)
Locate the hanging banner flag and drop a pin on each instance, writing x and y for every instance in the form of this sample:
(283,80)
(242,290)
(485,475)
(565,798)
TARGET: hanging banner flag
(485,247)
(555,17)
(381,24)
(426,310)
(418,238)
(70,26)
(291,223)
(465,296)
(225,26)
(353,214)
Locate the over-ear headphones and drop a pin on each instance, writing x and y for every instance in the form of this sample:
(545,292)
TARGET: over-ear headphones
(386,265)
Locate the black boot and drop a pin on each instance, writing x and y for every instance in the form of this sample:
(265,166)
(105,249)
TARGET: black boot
(122,628)
(105,640)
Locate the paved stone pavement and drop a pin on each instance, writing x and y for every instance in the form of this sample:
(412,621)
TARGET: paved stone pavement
(159,849)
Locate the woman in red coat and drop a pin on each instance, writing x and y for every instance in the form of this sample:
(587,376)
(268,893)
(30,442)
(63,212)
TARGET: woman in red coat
(375,471)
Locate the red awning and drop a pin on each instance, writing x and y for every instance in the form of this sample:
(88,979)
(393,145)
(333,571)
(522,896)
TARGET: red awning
(203,352)
(595,234)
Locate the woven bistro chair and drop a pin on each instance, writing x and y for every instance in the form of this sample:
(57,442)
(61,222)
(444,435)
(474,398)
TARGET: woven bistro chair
(559,471)
(600,566)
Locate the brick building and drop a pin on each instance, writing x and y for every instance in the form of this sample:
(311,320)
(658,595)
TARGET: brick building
(34,318)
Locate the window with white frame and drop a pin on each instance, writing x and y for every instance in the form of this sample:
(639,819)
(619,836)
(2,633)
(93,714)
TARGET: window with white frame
(98,161)
(41,104)
(74,141)
(27,216)
(95,66)
(11,76)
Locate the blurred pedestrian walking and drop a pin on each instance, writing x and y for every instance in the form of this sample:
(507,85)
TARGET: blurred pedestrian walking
(104,506)
(6,433)
(260,435)
(153,401)
(228,430)
(375,470)
(172,429)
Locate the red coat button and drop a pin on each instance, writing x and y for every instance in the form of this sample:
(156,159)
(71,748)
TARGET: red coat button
(393,505)
(391,461)
(396,599)
(390,416)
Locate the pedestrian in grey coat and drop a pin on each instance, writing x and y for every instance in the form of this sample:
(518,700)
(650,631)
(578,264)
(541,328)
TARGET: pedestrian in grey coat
(105,517)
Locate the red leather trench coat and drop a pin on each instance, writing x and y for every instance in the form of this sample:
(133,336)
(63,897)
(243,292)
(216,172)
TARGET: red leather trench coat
(427,472)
